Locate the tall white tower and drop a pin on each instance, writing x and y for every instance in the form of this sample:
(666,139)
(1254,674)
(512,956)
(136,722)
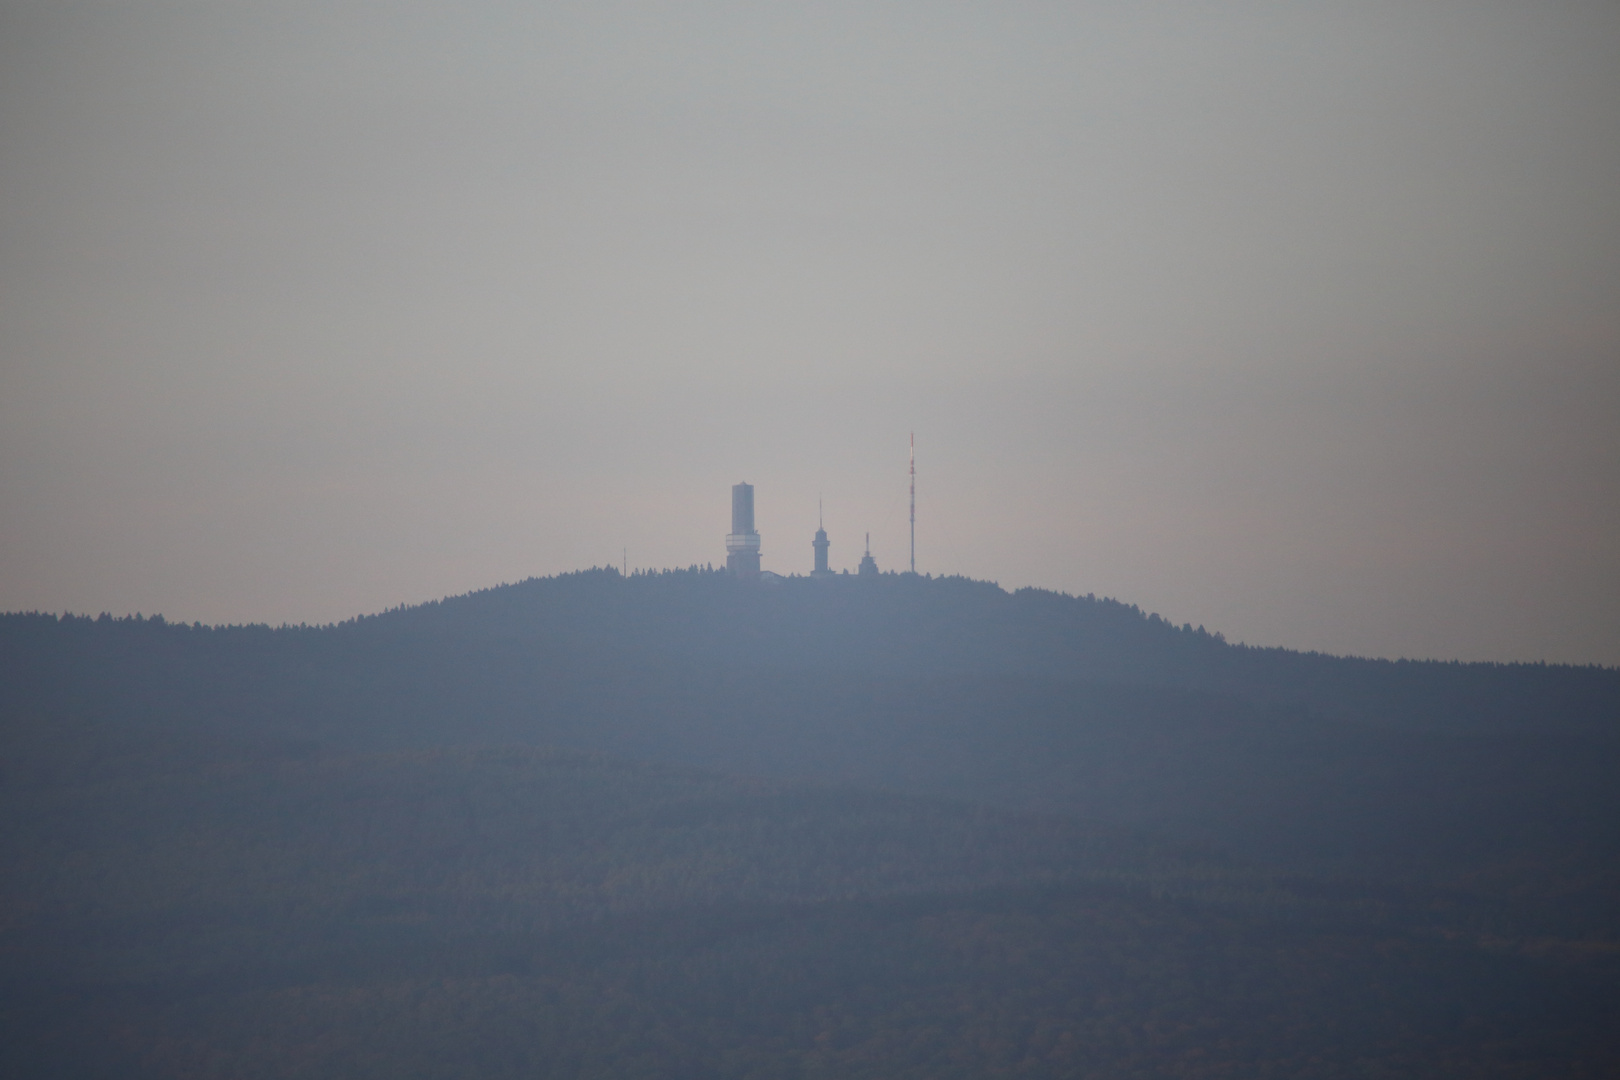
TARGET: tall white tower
(742,544)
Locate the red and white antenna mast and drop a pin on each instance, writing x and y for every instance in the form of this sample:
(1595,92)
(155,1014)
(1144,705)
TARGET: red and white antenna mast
(913,502)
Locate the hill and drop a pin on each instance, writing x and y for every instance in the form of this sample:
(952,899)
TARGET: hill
(679,825)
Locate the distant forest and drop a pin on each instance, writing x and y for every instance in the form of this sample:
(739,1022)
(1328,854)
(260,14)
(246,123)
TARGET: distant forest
(678,825)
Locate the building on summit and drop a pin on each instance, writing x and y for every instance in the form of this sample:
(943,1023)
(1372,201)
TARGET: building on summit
(868,566)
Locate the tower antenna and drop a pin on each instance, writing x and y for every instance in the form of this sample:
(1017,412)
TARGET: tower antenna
(913,502)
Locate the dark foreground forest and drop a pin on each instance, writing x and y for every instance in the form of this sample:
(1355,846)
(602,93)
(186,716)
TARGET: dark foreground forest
(675,825)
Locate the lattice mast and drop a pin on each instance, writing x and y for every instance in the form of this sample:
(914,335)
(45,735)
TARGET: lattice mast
(913,502)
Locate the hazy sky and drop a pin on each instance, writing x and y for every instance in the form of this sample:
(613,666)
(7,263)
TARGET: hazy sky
(1299,321)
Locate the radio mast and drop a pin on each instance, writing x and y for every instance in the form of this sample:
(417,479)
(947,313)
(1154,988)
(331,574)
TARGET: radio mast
(913,502)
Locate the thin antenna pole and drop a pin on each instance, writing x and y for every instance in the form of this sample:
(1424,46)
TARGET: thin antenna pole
(626,562)
(913,502)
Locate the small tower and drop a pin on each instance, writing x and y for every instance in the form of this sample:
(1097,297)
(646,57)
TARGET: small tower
(820,544)
(868,566)
(742,544)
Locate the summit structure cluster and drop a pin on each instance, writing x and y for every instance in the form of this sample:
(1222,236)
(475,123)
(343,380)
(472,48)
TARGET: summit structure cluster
(742,543)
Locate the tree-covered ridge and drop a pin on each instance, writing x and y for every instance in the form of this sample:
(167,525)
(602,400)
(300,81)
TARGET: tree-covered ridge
(895,623)
(533,838)
(261,908)
(939,686)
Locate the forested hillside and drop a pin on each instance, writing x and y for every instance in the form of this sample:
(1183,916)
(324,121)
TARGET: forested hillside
(679,825)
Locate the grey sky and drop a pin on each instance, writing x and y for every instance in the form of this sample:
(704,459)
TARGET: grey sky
(1300,321)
